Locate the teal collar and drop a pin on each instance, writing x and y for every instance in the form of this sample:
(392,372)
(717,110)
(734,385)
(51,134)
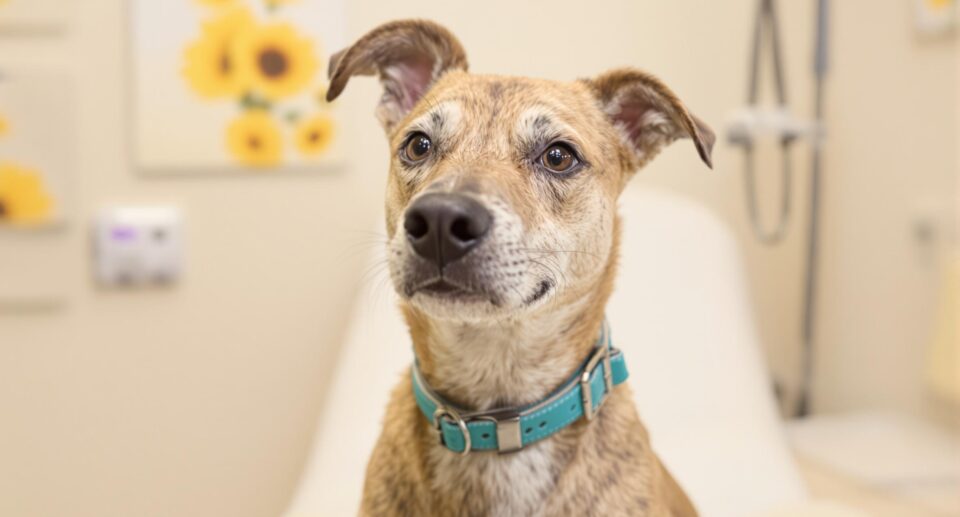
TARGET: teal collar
(511,429)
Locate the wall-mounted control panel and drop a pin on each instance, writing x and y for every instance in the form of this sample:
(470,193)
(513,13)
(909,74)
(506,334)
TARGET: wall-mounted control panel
(138,246)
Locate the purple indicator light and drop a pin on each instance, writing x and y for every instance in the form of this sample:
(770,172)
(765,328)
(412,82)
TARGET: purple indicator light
(123,233)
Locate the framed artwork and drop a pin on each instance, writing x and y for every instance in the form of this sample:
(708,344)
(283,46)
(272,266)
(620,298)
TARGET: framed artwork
(36,150)
(233,85)
(34,15)
(935,17)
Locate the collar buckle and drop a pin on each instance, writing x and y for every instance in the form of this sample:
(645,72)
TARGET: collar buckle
(438,416)
(507,422)
(602,353)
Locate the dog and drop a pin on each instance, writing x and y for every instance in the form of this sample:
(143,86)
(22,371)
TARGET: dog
(503,236)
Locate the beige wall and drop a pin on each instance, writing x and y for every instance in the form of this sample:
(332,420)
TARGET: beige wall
(891,159)
(200,400)
(197,401)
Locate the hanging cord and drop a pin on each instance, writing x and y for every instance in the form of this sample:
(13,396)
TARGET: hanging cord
(820,66)
(769,237)
(767,19)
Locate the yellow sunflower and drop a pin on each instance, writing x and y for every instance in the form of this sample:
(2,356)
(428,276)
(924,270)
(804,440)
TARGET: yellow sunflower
(314,134)
(253,138)
(210,67)
(276,60)
(214,3)
(23,198)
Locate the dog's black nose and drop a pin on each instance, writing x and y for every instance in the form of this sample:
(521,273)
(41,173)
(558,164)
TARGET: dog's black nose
(444,227)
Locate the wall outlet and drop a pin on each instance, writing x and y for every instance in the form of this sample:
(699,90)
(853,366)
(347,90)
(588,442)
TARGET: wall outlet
(138,246)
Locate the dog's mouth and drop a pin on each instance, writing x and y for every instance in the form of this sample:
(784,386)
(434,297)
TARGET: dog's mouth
(441,287)
(445,289)
(542,289)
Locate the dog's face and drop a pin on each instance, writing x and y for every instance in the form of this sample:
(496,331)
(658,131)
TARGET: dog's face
(502,191)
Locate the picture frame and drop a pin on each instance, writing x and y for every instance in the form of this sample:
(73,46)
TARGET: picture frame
(37,150)
(233,86)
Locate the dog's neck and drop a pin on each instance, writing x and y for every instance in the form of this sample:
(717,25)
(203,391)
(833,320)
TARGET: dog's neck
(511,362)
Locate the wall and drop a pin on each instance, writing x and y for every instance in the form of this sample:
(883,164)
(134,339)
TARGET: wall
(891,159)
(200,400)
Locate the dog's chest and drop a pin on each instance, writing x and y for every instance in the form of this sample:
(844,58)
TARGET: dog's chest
(494,484)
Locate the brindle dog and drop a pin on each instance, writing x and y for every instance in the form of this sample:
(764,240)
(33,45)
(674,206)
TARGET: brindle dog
(501,214)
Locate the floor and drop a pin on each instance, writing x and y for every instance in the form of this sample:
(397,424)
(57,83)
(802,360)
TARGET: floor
(825,483)
(886,465)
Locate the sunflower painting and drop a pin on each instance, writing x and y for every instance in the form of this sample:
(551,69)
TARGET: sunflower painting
(276,60)
(216,3)
(24,199)
(314,134)
(254,138)
(228,85)
(35,149)
(209,66)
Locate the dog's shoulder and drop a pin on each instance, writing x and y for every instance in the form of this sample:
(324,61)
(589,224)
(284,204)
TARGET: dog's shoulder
(395,479)
(615,470)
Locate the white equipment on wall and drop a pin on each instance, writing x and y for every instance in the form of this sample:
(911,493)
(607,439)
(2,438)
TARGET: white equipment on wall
(138,246)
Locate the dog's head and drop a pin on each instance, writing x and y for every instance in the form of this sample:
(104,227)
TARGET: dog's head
(502,190)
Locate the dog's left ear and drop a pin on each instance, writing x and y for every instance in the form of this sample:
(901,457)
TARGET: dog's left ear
(648,114)
(408,55)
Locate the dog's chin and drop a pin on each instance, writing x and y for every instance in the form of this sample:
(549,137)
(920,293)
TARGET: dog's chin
(464,307)
(445,301)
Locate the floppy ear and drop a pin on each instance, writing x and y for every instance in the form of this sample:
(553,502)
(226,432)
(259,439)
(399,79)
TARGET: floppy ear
(408,55)
(648,114)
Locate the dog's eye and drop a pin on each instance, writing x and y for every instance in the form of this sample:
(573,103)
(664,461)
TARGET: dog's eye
(418,147)
(558,158)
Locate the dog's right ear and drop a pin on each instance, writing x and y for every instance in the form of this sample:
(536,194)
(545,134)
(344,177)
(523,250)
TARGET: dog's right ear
(408,55)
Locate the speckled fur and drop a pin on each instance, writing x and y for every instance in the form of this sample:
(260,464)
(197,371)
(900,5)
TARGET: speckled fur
(510,347)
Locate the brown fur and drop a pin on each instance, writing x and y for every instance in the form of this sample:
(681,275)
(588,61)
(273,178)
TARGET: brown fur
(515,352)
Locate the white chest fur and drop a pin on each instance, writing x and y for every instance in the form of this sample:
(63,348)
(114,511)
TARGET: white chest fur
(508,484)
(484,368)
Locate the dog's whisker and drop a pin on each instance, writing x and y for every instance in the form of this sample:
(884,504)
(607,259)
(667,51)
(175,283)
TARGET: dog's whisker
(552,251)
(552,267)
(358,250)
(378,267)
(551,274)
(355,247)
